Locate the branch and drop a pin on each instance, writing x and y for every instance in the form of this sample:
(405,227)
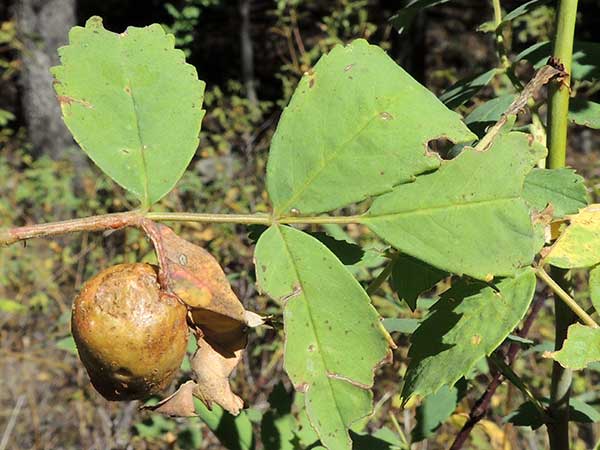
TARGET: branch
(481,406)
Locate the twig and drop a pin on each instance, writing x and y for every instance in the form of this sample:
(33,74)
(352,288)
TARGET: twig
(11,422)
(481,406)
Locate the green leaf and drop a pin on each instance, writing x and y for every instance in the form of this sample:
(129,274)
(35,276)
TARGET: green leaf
(132,103)
(399,325)
(334,338)
(234,432)
(594,286)
(403,18)
(462,91)
(584,112)
(435,409)
(382,439)
(11,306)
(586,58)
(527,415)
(347,252)
(561,188)
(488,113)
(411,277)
(468,322)
(579,245)
(519,11)
(278,424)
(581,347)
(67,344)
(469,217)
(354,128)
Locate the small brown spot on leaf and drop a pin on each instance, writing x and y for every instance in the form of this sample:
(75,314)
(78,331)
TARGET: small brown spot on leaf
(476,340)
(311,348)
(385,116)
(348,67)
(302,387)
(66,100)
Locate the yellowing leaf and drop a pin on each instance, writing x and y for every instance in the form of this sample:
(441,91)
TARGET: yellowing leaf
(579,244)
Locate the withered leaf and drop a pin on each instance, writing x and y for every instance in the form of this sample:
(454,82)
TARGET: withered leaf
(212,365)
(178,404)
(221,322)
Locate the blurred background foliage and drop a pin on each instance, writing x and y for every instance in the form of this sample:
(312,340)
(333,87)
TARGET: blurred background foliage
(251,53)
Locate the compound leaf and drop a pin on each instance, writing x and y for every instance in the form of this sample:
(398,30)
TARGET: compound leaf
(132,103)
(334,337)
(581,347)
(354,128)
(561,188)
(469,217)
(468,322)
(579,245)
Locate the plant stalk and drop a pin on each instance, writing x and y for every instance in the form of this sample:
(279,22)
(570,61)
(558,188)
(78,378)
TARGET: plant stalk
(558,108)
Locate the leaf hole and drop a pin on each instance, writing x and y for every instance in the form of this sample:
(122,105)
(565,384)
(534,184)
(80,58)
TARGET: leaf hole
(443,147)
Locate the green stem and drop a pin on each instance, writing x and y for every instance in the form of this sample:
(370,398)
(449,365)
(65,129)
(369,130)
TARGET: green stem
(248,219)
(383,275)
(558,108)
(565,298)
(558,105)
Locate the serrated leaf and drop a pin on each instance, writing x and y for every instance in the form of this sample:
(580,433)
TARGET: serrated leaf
(354,128)
(411,277)
(334,338)
(462,91)
(488,113)
(586,58)
(584,112)
(579,245)
(581,347)
(468,322)
(561,188)
(469,217)
(132,103)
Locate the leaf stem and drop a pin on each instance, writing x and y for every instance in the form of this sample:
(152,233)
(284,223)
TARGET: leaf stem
(260,219)
(566,298)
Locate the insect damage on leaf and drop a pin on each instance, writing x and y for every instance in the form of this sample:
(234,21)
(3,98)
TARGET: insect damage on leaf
(216,314)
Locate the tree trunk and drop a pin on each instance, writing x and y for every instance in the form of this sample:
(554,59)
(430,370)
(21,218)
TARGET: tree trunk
(43,26)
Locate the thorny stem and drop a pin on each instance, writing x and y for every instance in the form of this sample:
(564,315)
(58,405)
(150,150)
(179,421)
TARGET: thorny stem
(481,406)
